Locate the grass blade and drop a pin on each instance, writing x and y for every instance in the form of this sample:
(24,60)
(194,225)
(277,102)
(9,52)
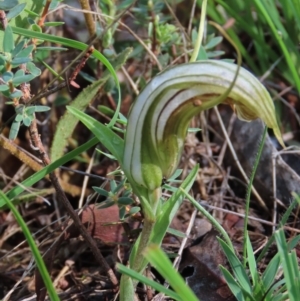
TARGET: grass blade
(34,249)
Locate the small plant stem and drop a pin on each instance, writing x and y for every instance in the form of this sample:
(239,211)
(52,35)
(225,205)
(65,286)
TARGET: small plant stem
(213,221)
(149,222)
(143,243)
(248,194)
(44,13)
(88,17)
(200,32)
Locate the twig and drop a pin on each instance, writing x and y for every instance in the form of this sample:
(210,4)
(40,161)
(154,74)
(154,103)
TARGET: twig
(37,143)
(260,200)
(89,21)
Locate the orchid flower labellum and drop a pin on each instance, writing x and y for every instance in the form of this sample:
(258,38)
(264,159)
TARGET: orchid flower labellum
(159,118)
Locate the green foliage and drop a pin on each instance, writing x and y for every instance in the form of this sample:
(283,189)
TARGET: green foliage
(24,115)
(280,18)
(67,123)
(18,13)
(34,249)
(118,195)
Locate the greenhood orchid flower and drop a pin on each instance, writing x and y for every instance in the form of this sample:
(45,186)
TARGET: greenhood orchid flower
(159,118)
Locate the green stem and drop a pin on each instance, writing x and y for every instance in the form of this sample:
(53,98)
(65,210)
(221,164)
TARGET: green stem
(137,262)
(200,32)
(249,188)
(213,221)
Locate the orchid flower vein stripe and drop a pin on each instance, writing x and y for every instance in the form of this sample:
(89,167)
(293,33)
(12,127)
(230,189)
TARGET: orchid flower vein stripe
(159,118)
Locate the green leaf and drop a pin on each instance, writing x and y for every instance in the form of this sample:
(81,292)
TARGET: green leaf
(20,60)
(25,52)
(237,268)
(106,136)
(13,133)
(41,108)
(14,12)
(7,76)
(125,201)
(252,262)
(18,48)
(8,4)
(21,20)
(3,88)
(51,48)
(30,110)
(68,122)
(233,285)
(16,94)
(22,79)
(163,265)
(53,23)
(213,42)
(34,249)
(290,266)
(126,285)
(8,40)
(27,121)
(101,191)
(20,72)
(80,46)
(33,69)
(19,117)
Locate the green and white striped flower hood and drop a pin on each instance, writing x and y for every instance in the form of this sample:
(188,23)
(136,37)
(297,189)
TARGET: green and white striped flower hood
(160,116)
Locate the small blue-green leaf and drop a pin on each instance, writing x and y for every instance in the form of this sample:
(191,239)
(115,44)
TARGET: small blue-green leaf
(113,186)
(2,60)
(213,54)
(22,79)
(20,109)
(213,42)
(19,117)
(8,40)
(122,213)
(106,204)
(33,69)
(125,201)
(20,60)
(101,191)
(14,129)
(133,210)
(41,108)
(8,4)
(7,76)
(25,52)
(3,88)
(18,48)
(202,55)
(14,12)
(36,28)
(19,73)
(27,121)
(30,110)
(30,21)
(16,94)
